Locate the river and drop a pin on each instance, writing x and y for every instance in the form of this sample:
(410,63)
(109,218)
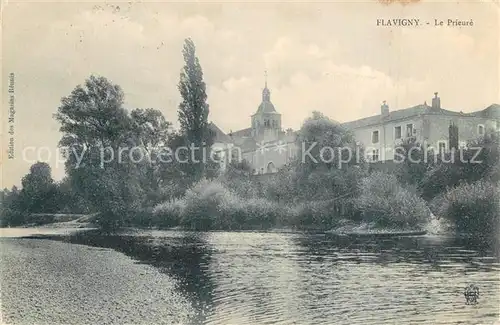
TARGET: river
(274,278)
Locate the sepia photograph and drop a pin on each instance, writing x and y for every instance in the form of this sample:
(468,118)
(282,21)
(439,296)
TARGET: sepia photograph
(250,162)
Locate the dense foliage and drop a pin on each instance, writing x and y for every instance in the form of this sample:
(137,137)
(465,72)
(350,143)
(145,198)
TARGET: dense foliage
(193,111)
(99,134)
(211,205)
(385,202)
(39,194)
(116,166)
(471,207)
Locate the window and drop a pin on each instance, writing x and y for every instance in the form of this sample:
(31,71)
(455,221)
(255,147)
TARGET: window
(375,137)
(441,147)
(397,132)
(375,155)
(480,129)
(409,130)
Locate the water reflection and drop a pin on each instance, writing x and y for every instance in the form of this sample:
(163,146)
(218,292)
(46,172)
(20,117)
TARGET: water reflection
(269,278)
(255,275)
(433,250)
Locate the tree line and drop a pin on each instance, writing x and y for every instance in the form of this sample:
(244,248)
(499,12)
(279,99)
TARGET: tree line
(145,192)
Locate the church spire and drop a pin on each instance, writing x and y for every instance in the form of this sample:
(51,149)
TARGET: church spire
(266,94)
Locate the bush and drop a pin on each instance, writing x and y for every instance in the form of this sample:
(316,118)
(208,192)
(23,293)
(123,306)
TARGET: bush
(473,208)
(243,187)
(315,214)
(168,214)
(11,217)
(202,204)
(281,187)
(263,214)
(211,205)
(479,160)
(386,203)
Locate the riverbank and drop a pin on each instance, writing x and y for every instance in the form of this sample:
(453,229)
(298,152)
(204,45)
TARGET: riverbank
(244,278)
(343,227)
(50,282)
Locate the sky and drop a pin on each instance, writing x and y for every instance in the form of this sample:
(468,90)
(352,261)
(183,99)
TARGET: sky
(329,57)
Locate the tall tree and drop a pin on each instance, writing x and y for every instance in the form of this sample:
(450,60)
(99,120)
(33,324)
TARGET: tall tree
(330,163)
(193,110)
(96,128)
(113,155)
(152,133)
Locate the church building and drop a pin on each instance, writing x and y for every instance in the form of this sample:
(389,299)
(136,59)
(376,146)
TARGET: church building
(267,147)
(264,145)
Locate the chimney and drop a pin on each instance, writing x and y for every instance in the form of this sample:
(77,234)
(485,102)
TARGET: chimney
(384,109)
(436,102)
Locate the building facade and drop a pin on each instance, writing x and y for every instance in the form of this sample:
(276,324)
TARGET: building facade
(432,126)
(266,147)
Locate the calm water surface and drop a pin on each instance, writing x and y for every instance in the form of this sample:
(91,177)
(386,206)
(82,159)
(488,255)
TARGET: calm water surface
(272,278)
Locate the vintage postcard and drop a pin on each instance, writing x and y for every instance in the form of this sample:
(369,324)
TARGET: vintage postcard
(250,162)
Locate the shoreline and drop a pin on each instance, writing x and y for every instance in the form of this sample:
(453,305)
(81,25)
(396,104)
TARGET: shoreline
(343,228)
(70,228)
(124,291)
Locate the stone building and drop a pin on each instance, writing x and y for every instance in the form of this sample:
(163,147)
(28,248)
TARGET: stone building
(266,147)
(432,126)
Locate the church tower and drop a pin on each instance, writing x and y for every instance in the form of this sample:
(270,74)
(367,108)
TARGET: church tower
(266,122)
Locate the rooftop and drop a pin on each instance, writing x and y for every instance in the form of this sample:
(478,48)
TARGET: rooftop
(491,111)
(220,136)
(241,137)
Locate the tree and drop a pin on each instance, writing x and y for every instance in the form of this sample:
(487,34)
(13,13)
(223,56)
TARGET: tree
(193,110)
(150,127)
(477,161)
(39,192)
(69,199)
(412,162)
(326,143)
(100,136)
(151,132)
(93,115)
(481,158)
(330,163)
(11,213)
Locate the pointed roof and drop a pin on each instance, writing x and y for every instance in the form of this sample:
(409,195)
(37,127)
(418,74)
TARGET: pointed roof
(220,136)
(266,106)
